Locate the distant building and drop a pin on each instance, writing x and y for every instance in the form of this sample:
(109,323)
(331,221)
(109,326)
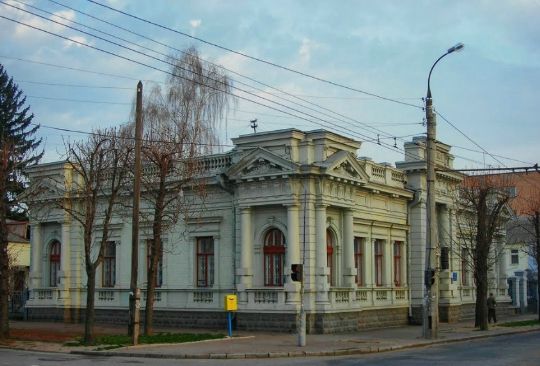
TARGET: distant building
(278,198)
(19,262)
(523,271)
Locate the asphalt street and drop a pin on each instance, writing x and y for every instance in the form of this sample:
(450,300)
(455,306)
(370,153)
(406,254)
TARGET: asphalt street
(519,349)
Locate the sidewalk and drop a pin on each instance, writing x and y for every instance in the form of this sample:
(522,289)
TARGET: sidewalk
(268,345)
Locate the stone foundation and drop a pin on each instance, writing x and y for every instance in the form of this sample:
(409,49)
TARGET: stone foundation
(353,321)
(457,313)
(275,322)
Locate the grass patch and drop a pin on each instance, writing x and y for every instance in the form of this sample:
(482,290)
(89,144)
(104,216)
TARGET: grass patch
(522,323)
(115,341)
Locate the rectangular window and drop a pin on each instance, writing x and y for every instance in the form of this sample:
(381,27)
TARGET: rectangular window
(398,248)
(379,262)
(464,267)
(359,260)
(109,265)
(159,268)
(205,261)
(445,258)
(515,256)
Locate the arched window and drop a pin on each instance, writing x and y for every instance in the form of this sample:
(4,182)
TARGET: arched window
(330,255)
(274,257)
(54,263)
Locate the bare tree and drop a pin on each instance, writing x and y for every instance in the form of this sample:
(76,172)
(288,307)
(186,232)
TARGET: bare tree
(480,219)
(180,126)
(100,168)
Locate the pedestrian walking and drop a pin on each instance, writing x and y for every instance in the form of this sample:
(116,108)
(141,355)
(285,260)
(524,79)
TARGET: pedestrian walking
(492,305)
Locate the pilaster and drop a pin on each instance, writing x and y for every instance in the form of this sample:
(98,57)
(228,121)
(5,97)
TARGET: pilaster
(245,272)
(322,270)
(292,253)
(349,271)
(36,249)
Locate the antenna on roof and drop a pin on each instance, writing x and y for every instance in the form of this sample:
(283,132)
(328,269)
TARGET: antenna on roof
(254,125)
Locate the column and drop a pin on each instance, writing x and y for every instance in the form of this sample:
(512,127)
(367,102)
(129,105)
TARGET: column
(218,278)
(388,260)
(503,267)
(245,272)
(64,295)
(445,275)
(36,266)
(65,258)
(349,272)
(322,270)
(524,302)
(369,261)
(516,292)
(292,252)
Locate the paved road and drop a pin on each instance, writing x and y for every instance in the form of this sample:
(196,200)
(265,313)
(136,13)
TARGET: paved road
(520,349)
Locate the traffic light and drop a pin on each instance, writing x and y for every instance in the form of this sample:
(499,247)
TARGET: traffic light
(429,277)
(296,272)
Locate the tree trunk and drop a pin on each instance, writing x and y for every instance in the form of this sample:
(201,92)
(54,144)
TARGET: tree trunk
(156,251)
(150,290)
(90,312)
(4,281)
(537,257)
(4,259)
(481,304)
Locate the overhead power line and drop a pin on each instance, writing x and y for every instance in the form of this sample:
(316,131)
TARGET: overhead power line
(69,67)
(78,100)
(326,125)
(191,71)
(366,125)
(483,152)
(355,133)
(506,169)
(295,116)
(74,85)
(253,57)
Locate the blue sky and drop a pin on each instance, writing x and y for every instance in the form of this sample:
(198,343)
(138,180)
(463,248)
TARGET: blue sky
(489,91)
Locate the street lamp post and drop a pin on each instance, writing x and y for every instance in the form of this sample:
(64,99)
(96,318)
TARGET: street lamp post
(430,321)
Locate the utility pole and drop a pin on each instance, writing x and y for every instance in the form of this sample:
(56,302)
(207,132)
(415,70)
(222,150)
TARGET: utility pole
(430,316)
(135,294)
(431,307)
(302,316)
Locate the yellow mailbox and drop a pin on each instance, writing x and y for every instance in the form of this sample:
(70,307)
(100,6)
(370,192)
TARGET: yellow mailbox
(231,303)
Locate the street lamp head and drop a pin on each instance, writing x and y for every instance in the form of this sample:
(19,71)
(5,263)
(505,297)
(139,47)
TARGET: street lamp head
(457,47)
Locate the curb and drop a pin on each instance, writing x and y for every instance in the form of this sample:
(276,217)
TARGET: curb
(339,352)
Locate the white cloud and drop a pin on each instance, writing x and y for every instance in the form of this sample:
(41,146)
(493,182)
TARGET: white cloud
(306,49)
(23,31)
(195,23)
(232,61)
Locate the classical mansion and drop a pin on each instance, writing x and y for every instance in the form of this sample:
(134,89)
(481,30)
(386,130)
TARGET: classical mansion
(278,198)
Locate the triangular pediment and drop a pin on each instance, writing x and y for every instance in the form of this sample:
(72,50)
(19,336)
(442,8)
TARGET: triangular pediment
(260,163)
(344,165)
(51,186)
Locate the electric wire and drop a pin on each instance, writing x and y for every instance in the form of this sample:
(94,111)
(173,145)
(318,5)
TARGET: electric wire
(211,63)
(254,58)
(240,89)
(74,85)
(367,138)
(188,70)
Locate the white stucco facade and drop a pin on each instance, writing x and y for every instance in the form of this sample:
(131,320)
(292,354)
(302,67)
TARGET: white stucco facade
(278,198)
